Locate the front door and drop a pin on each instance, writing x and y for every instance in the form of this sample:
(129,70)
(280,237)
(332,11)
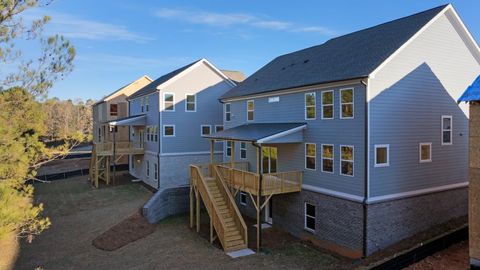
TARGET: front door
(269,159)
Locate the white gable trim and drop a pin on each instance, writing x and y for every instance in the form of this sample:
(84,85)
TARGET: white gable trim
(192,67)
(426,26)
(281,134)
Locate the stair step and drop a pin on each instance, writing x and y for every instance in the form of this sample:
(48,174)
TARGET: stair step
(228,219)
(232,233)
(233,238)
(234,243)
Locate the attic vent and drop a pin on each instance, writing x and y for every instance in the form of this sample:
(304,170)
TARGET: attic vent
(306,61)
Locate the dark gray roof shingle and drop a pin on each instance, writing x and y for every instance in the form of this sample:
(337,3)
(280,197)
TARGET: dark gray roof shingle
(254,132)
(152,87)
(350,56)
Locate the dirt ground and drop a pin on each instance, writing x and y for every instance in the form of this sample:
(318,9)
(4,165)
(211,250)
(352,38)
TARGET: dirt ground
(80,213)
(453,258)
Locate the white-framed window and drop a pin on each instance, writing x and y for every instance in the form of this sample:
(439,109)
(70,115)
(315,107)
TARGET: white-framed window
(347,160)
(190,103)
(205,130)
(327,158)
(382,155)
(447,123)
(218,128)
(243,150)
(155,132)
(142,101)
(310,216)
(147,131)
(243,198)
(250,110)
(155,165)
(228,112)
(168,130)
(169,102)
(147,103)
(425,152)
(346,103)
(148,168)
(310,106)
(327,104)
(228,149)
(310,156)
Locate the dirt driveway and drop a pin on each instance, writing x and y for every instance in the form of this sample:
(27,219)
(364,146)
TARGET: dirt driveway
(80,213)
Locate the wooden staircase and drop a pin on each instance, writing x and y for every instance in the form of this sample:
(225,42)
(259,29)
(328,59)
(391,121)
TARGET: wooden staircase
(225,217)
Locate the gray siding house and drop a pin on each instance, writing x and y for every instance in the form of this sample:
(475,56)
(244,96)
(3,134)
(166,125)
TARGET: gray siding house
(378,133)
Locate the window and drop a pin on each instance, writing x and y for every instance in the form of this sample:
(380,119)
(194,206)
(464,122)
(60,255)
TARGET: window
(218,128)
(113,109)
(155,165)
(243,198)
(327,158)
(446,129)
(310,110)
(99,135)
(346,101)
(133,161)
(310,217)
(310,156)
(190,103)
(148,168)
(148,133)
(425,150)
(250,109)
(155,132)
(229,149)
(168,102)
(346,160)
(205,130)
(147,103)
(243,150)
(327,104)
(228,113)
(382,155)
(168,131)
(141,103)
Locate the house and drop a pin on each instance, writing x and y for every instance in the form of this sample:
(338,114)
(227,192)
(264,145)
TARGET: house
(472,97)
(354,144)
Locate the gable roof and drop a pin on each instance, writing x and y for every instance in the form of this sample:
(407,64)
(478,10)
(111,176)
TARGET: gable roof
(120,89)
(351,56)
(472,93)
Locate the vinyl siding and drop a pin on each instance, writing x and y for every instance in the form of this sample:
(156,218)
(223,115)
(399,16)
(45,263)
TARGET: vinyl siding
(408,96)
(291,108)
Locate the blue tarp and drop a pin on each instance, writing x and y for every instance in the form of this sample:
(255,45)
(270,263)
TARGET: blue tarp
(472,93)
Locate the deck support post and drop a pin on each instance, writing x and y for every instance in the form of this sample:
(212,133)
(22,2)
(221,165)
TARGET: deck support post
(114,154)
(232,156)
(197,201)
(191,205)
(259,209)
(211,231)
(212,148)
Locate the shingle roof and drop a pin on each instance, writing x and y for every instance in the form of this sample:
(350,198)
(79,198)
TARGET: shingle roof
(254,132)
(120,89)
(350,56)
(472,93)
(152,87)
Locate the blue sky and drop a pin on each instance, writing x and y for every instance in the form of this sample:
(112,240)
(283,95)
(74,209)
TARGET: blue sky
(118,41)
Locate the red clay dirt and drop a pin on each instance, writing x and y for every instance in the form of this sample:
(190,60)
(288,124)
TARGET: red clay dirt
(129,230)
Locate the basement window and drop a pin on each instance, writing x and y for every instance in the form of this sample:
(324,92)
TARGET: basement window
(382,155)
(310,215)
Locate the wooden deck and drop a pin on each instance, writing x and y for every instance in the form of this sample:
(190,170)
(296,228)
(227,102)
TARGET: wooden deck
(121,148)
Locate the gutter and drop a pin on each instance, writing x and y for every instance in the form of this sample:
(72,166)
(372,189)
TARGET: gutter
(367,167)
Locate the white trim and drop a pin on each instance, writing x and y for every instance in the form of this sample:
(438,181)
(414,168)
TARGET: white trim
(413,193)
(245,195)
(305,217)
(367,98)
(376,165)
(329,192)
(226,149)
(346,160)
(225,112)
(173,102)
(194,102)
(253,111)
(332,158)
(281,134)
(201,130)
(333,104)
(347,103)
(393,55)
(243,148)
(442,129)
(163,131)
(305,157)
(469,35)
(189,153)
(308,106)
(420,160)
(309,88)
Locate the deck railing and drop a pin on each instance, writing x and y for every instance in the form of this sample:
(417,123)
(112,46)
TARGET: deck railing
(121,148)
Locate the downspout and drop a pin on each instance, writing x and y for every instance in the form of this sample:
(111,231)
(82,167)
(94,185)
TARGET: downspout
(367,167)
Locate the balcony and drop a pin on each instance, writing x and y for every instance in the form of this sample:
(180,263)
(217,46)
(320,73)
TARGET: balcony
(121,148)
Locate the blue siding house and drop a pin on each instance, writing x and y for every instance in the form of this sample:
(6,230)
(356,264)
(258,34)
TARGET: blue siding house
(371,122)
